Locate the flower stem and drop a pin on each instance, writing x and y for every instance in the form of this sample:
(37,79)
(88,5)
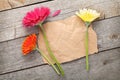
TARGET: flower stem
(50,51)
(86,46)
(48,61)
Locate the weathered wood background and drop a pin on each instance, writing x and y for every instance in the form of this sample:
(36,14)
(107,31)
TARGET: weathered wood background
(104,65)
(10,4)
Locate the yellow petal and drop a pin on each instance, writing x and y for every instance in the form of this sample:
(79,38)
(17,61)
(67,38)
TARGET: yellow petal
(88,15)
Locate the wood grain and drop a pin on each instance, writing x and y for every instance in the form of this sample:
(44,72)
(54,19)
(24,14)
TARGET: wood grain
(12,19)
(104,66)
(11,57)
(4,4)
(21,67)
(8,4)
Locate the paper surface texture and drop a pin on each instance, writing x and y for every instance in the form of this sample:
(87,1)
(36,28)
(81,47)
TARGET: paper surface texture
(67,39)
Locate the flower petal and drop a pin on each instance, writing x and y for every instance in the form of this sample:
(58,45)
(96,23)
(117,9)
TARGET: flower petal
(29,44)
(88,15)
(57,12)
(36,16)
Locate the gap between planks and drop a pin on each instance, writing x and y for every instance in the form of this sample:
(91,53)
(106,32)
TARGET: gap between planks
(22,5)
(11,50)
(62,63)
(15,21)
(104,66)
(99,23)
(37,32)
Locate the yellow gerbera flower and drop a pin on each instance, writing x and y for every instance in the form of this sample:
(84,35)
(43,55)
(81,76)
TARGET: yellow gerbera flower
(88,15)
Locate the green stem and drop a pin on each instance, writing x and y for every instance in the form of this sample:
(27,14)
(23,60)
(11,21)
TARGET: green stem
(48,61)
(50,51)
(87,46)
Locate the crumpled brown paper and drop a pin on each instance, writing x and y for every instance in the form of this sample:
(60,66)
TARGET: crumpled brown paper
(67,39)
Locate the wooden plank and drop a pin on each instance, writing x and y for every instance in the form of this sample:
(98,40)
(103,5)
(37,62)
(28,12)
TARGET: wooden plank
(18,3)
(13,18)
(11,57)
(27,2)
(4,4)
(8,4)
(104,66)
(108,31)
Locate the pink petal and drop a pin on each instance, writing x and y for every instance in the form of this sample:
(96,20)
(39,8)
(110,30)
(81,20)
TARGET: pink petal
(35,16)
(57,12)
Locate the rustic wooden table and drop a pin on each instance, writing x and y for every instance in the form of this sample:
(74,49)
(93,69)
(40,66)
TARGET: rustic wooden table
(104,65)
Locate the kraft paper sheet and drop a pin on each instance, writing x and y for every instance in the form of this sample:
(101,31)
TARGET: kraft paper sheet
(67,39)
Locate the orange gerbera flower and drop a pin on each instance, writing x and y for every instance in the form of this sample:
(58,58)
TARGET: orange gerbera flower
(29,44)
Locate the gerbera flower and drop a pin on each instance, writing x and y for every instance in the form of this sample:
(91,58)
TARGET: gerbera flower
(29,44)
(88,15)
(36,16)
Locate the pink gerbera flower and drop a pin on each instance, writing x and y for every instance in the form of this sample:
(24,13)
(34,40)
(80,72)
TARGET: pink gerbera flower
(36,16)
